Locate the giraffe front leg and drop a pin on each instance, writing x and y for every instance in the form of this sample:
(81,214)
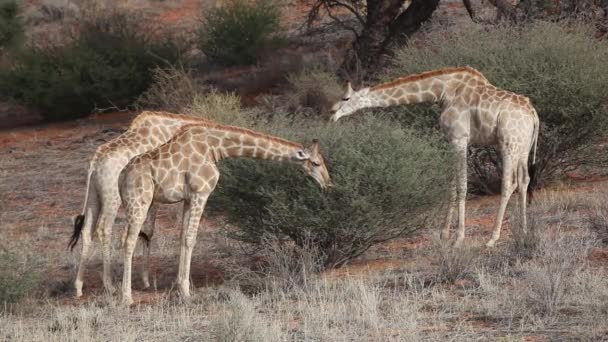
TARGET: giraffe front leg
(192,216)
(508,186)
(149,227)
(136,204)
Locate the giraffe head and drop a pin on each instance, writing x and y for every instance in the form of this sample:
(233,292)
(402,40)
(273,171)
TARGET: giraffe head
(313,163)
(350,103)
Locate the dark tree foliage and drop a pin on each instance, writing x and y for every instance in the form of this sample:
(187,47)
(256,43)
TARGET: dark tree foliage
(379,26)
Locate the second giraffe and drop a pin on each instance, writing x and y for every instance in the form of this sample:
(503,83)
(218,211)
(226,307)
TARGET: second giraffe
(473,112)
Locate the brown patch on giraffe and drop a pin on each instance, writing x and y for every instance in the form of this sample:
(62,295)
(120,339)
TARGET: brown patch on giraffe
(436,88)
(200,147)
(213,141)
(208,172)
(233,150)
(248,152)
(413,98)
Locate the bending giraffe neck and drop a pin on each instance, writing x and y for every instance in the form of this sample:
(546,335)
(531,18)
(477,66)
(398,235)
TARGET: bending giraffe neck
(236,142)
(432,86)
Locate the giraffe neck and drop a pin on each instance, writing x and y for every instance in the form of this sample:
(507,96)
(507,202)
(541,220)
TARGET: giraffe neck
(152,129)
(235,142)
(428,87)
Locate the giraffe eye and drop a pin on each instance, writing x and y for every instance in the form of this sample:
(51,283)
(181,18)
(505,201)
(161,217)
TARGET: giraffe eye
(345,98)
(315,164)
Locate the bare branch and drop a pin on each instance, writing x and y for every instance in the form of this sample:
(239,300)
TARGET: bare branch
(351,9)
(338,20)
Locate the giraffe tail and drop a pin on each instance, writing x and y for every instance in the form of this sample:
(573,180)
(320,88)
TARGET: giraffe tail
(80,219)
(533,168)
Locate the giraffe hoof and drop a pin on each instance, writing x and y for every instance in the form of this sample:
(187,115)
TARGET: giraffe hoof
(491,243)
(458,243)
(127,301)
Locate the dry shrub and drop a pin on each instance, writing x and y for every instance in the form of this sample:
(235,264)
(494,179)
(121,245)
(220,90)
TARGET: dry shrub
(548,278)
(223,107)
(313,89)
(598,218)
(240,322)
(526,243)
(276,266)
(174,89)
(455,263)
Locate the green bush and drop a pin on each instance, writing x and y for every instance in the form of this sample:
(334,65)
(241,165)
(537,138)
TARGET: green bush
(11,27)
(240,32)
(386,179)
(17,276)
(561,68)
(108,65)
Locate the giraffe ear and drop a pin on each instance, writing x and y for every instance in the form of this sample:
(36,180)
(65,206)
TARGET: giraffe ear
(349,89)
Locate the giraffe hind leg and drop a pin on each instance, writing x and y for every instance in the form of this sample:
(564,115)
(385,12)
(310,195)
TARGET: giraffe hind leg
(509,183)
(523,181)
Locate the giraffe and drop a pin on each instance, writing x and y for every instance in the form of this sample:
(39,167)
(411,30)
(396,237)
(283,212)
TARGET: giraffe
(473,112)
(184,170)
(147,131)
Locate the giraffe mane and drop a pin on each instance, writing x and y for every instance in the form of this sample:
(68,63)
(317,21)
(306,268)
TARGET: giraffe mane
(235,129)
(182,117)
(428,74)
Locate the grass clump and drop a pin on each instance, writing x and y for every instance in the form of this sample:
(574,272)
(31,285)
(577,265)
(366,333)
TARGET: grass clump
(386,178)
(239,32)
(108,64)
(560,68)
(17,276)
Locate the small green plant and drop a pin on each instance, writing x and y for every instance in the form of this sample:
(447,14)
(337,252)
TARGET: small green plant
(11,26)
(385,180)
(239,32)
(108,65)
(17,276)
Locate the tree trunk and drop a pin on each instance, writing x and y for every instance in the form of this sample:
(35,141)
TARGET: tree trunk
(385,28)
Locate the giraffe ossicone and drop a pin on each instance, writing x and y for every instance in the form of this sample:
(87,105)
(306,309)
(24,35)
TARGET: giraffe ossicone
(473,112)
(184,170)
